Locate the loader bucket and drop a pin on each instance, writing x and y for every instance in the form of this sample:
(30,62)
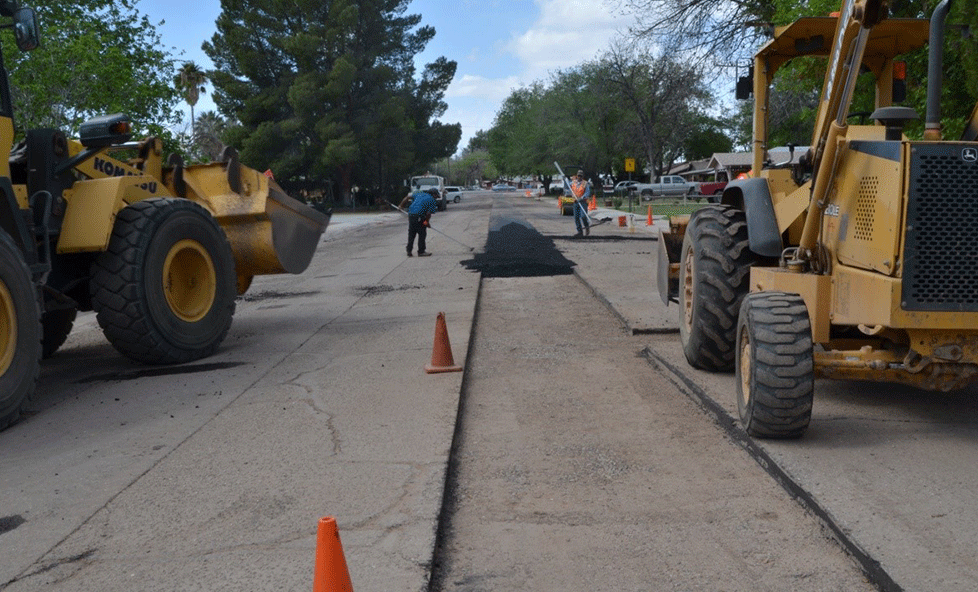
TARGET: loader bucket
(269,231)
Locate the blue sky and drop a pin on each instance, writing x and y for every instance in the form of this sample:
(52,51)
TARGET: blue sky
(499,45)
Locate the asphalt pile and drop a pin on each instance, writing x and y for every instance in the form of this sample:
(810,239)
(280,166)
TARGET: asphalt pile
(517,251)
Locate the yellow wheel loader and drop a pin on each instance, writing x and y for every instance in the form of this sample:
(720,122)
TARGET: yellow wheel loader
(858,260)
(158,250)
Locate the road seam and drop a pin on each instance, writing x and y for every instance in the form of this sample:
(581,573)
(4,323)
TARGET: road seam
(870,566)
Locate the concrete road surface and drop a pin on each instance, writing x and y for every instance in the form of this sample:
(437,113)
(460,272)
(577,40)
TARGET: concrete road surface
(213,475)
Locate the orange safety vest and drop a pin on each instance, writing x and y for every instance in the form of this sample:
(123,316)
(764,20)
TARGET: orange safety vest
(578,187)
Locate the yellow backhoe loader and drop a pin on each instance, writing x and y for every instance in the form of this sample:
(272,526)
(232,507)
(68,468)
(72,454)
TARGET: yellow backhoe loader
(158,250)
(858,260)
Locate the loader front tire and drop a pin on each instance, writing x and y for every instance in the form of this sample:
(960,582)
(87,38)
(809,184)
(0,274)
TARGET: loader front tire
(20,332)
(775,369)
(714,277)
(164,290)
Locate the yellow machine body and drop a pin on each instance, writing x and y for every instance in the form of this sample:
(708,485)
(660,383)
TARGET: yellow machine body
(872,247)
(269,232)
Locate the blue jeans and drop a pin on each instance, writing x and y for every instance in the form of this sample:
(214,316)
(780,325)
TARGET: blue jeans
(581,217)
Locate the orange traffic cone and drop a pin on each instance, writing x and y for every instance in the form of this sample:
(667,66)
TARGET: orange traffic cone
(594,203)
(441,353)
(331,574)
(648,221)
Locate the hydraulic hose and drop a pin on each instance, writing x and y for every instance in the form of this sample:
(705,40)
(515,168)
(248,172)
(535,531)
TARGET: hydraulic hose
(935,71)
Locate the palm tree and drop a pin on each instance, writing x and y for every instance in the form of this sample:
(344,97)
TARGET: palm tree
(190,81)
(208,138)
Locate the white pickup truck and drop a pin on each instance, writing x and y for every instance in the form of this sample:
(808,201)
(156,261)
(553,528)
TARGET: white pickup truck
(667,186)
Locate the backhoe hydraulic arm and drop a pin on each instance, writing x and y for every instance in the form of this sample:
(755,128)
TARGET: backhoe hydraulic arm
(856,20)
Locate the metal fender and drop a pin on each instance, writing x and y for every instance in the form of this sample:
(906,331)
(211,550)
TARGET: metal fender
(92,206)
(754,197)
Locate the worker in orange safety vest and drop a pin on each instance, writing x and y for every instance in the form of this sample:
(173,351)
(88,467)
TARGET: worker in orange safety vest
(581,190)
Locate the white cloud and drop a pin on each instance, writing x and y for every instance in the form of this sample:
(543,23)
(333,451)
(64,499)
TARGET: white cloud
(567,33)
(480,87)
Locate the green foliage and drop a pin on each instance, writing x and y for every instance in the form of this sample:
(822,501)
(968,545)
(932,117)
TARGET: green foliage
(794,103)
(595,115)
(707,137)
(96,58)
(663,98)
(327,92)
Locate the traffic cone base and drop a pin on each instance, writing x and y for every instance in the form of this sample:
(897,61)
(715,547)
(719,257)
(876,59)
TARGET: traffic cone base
(441,353)
(331,573)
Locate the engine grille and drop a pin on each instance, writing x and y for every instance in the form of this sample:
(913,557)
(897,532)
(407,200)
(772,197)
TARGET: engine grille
(940,256)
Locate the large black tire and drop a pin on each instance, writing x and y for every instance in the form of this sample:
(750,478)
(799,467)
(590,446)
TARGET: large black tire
(20,332)
(775,369)
(56,325)
(714,277)
(164,289)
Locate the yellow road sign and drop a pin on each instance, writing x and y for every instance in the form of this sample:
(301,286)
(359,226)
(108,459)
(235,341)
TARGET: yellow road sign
(629,165)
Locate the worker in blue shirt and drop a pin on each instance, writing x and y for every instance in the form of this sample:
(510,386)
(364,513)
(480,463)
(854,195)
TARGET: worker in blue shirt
(423,205)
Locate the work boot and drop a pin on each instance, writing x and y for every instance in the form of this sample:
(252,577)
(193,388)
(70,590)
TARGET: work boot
(578,235)
(587,230)
(424,254)
(409,254)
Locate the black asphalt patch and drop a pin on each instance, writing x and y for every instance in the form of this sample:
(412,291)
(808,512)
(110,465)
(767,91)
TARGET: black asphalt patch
(517,251)
(166,371)
(8,523)
(271,295)
(383,289)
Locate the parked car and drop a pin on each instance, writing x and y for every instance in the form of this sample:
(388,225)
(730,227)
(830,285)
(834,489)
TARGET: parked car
(623,187)
(666,186)
(453,193)
(503,187)
(711,187)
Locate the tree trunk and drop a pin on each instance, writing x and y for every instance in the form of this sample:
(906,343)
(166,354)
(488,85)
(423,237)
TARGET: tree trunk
(346,173)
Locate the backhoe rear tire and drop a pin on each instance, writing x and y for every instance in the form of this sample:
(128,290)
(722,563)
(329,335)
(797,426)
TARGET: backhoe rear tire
(20,332)
(164,289)
(775,369)
(714,278)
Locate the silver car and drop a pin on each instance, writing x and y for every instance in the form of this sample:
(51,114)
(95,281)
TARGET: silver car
(452,193)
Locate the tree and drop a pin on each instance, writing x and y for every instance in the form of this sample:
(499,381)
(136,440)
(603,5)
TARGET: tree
(707,137)
(209,131)
(474,166)
(576,118)
(480,141)
(665,96)
(189,82)
(726,30)
(95,58)
(328,92)
(718,29)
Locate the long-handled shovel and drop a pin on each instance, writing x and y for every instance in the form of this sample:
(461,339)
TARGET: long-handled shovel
(593,221)
(433,228)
